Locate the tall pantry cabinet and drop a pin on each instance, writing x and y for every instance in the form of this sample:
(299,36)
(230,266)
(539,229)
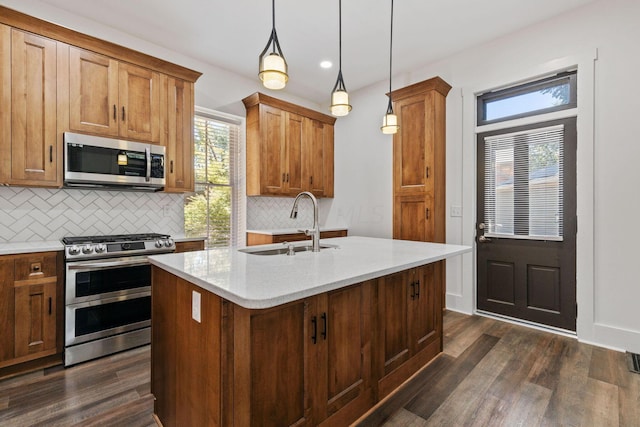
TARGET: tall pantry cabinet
(419,165)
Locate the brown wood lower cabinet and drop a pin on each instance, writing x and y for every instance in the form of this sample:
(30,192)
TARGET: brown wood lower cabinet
(264,239)
(190,245)
(309,362)
(30,312)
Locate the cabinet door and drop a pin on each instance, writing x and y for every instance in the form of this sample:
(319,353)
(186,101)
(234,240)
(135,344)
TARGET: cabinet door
(179,141)
(33,110)
(279,368)
(422,308)
(344,363)
(139,95)
(295,137)
(93,92)
(272,150)
(35,318)
(413,145)
(413,217)
(5,104)
(393,297)
(319,158)
(6,310)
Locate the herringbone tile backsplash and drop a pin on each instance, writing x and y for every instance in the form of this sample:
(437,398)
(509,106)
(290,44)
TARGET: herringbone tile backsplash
(36,214)
(268,213)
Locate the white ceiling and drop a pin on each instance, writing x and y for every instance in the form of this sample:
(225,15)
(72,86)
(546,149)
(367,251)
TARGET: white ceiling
(231,34)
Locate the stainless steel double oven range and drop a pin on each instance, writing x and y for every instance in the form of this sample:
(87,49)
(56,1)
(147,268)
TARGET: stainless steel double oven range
(108,293)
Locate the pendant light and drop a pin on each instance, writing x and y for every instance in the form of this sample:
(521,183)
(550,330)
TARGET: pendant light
(273,67)
(339,96)
(390,120)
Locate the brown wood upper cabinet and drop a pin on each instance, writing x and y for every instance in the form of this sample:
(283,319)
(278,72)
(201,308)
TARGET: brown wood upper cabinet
(289,148)
(177,133)
(53,80)
(30,154)
(113,98)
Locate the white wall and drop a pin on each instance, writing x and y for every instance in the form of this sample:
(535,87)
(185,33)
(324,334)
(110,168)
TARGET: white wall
(608,153)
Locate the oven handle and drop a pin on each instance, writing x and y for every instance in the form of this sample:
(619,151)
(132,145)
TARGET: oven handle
(101,301)
(107,265)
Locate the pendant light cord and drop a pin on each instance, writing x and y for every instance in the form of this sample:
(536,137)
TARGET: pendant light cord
(390,106)
(340,34)
(273,22)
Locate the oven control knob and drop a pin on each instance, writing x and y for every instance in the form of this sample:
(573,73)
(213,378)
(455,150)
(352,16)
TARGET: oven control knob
(74,250)
(101,247)
(87,249)
(168,243)
(159,243)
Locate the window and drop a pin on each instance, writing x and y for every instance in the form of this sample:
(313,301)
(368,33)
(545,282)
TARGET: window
(215,209)
(523,181)
(542,96)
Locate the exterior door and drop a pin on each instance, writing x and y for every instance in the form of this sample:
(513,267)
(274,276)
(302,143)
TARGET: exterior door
(526,229)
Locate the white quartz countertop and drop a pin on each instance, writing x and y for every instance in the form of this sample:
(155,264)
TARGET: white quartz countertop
(280,231)
(263,281)
(30,247)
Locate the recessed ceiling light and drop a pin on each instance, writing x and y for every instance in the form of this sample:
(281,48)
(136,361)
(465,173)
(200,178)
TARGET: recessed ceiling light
(326,64)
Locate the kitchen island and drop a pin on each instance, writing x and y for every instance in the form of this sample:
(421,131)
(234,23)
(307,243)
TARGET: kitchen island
(315,338)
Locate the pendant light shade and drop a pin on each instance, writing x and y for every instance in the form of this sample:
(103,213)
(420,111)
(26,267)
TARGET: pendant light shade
(390,120)
(339,96)
(273,67)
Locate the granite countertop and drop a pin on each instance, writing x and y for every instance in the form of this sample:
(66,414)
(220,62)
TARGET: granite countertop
(30,247)
(262,281)
(279,231)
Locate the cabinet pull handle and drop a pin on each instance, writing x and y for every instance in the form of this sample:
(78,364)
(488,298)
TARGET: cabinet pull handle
(314,335)
(311,180)
(427,172)
(284,175)
(123,113)
(324,325)
(49,306)
(413,290)
(287,176)
(171,166)
(51,154)
(417,288)
(115,112)
(427,213)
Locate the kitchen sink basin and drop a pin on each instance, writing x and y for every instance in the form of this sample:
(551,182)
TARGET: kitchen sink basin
(283,250)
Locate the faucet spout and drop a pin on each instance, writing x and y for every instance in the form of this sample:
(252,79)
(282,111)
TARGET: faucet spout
(315,233)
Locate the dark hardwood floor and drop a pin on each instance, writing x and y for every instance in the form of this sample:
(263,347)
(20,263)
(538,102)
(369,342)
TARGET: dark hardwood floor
(490,374)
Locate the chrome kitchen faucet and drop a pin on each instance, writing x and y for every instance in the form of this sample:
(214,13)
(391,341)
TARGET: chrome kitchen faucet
(315,233)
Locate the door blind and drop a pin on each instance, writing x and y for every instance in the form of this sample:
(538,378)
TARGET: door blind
(524,184)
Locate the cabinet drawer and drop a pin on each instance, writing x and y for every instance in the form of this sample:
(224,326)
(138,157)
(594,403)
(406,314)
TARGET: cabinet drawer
(35,266)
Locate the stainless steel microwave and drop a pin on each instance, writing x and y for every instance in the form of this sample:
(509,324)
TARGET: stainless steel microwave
(97,162)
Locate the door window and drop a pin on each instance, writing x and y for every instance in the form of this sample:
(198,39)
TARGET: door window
(524,184)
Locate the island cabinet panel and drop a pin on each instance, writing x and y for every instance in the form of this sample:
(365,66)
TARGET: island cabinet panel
(186,376)
(7,304)
(343,385)
(409,332)
(271,346)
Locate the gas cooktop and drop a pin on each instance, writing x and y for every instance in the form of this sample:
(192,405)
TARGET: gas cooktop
(113,238)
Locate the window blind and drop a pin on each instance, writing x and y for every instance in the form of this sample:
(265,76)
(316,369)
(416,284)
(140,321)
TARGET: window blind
(216,210)
(524,184)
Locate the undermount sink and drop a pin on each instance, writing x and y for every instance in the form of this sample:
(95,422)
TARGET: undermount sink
(283,250)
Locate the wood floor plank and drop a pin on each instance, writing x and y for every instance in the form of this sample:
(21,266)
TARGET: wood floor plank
(546,370)
(428,401)
(528,408)
(601,404)
(458,339)
(404,418)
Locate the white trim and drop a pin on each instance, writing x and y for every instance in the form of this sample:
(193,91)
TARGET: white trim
(585,289)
